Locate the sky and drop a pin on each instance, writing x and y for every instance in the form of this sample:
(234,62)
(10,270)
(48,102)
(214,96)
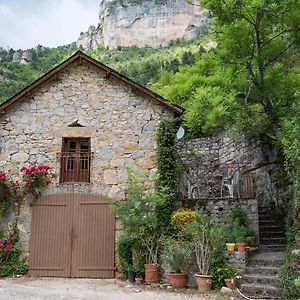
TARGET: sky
(25,24)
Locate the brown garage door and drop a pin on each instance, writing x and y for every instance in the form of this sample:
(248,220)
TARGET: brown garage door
(72,235)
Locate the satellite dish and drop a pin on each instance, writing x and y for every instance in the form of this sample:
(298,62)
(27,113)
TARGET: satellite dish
(180,133)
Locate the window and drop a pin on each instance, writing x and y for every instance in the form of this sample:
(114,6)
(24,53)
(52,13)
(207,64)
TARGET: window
(75,160)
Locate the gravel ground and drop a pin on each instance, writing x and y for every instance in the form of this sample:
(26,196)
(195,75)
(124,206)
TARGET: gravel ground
(27,288)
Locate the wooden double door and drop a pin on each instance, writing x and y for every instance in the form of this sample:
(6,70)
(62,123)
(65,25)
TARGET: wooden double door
(72,235)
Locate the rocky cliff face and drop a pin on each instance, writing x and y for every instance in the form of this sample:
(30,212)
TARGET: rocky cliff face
(144,23)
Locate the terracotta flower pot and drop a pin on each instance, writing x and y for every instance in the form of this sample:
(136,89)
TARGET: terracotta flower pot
(241,247)
(178,280)
(230,246)
(204,283)
(151,273)
(297,239)
(230,283)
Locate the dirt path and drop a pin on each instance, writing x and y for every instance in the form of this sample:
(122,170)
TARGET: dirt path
(26,288)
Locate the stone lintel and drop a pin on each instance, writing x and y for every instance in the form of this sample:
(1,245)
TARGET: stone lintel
(76,132)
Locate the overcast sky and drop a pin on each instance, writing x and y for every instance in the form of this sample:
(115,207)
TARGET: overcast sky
(26,23)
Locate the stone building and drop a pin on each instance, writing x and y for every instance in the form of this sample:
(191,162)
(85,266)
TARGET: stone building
(88,123)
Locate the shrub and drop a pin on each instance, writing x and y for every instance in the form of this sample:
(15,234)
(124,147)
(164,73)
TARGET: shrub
(11,259)
(288,275)
(217,262)
(181,217)
(125,245)
(176,256)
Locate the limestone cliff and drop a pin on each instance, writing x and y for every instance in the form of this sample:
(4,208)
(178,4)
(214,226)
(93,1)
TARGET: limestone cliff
(144,23)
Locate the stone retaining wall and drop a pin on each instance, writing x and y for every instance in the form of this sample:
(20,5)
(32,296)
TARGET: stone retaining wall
(205,161)
(220,210)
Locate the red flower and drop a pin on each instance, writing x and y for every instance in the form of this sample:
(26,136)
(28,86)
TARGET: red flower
(23,169)
(8,247)
(186,219)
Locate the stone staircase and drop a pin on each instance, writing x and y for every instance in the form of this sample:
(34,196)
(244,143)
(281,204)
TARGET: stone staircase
(260,278)
(271,230)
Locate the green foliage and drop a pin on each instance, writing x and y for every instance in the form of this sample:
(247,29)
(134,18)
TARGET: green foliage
(217,261)
(11,260)
(16,76)
(261,38)
(290,140)
(180,218)
(238,230)
(166,165)
(290,230)
(227,272)
(206,238)
(289,272)
(176,256)
(125,245)
(138,214)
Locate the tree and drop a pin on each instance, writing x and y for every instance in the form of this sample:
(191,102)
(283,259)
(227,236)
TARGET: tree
(261,39)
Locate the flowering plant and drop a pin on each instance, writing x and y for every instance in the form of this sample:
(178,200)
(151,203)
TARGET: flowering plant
(9,190)
(12,187)
(6,246)
(34,177)
(11,260)
(181,217)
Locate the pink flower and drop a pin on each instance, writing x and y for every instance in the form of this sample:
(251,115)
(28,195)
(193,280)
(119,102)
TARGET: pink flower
(8,247)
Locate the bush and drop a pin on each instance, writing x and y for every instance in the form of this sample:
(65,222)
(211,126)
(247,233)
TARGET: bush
(125,245)
(176,256)
(11,258)
(288,276)
(217,262)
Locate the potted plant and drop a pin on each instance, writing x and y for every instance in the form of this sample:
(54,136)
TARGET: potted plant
(206,237)
(229,238)
(229,274)
(180,218)
(124,248)
(139,219)
(240,232)
(175,257)
(297,238)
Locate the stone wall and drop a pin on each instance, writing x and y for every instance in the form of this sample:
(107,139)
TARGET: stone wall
(121,124)
(220,210)
(206,163)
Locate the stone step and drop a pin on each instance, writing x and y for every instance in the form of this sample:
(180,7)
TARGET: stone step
(272,247)
(263,270)
(272,222)
(266,259)
(272,241)
(270,280)
(271,234)
(264,291)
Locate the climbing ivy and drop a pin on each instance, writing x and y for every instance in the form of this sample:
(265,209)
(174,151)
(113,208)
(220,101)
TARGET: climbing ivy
(166,164)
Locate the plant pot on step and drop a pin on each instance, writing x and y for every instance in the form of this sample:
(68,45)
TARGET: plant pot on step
(178,280)
(297,239)
(204,283)
(151,273)
(241,247)
(230,283)
(230,247)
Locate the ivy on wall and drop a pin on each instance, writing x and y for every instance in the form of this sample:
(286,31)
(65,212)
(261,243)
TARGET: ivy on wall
(166,164)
